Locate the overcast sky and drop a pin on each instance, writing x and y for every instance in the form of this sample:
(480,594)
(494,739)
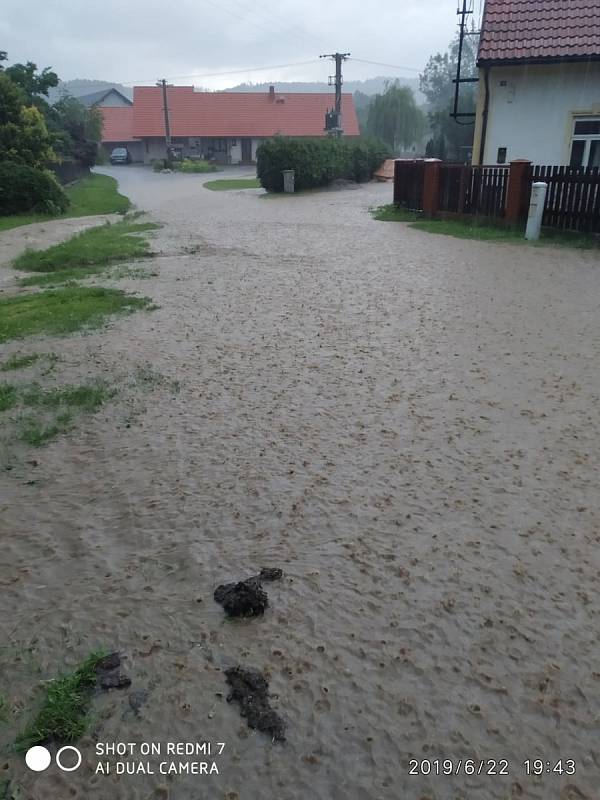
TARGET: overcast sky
(138,41)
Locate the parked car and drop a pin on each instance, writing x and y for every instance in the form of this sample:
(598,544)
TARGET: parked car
(120,155)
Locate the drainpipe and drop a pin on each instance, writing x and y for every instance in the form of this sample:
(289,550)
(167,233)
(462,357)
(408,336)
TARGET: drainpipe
(486,109)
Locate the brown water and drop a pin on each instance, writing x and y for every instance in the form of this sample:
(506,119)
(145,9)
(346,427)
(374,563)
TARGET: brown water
(407,424)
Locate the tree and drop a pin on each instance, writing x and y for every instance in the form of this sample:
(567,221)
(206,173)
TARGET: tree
(24,137)
(32,82)
(436,83)
(395,117)
(78,130)
(361,104)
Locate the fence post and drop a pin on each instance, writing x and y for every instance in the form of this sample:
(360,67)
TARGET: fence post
(431,186)
(516,194)
(396,182)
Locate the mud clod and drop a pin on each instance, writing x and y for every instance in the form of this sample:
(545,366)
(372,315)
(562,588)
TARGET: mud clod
(109,662)
(109,677)
(117,681)
(247,598)
(250,689)
(243,599)
(270,574)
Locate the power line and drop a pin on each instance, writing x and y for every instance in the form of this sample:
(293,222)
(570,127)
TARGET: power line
(245,19)
(270,16)
(228,72)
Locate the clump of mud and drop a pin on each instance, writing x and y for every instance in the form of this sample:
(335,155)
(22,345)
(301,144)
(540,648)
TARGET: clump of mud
(250,689)
(109,675)
(242,599)
(270,574)
(247,598)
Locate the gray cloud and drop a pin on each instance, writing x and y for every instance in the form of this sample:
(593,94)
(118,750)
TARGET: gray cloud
(137,41)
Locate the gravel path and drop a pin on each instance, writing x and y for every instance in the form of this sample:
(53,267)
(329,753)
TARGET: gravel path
(408,425)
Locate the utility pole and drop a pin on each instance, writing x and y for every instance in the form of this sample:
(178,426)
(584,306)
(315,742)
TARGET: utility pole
(336,129)
(163,83)
(463,14)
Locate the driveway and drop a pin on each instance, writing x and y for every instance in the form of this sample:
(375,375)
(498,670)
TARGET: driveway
(408,425)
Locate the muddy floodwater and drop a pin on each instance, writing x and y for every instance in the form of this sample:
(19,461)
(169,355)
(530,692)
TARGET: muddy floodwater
(408,425)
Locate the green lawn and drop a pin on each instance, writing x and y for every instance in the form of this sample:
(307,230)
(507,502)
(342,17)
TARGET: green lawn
(223,184)
(482,230)
(62,311)
(94,195)
(88,252)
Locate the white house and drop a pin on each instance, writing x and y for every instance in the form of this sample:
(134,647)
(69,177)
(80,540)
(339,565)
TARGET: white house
(539,83)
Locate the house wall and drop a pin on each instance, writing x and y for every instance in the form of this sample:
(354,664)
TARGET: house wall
(532,110)
(154,148)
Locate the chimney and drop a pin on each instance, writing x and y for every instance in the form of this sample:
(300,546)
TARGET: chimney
(271,93)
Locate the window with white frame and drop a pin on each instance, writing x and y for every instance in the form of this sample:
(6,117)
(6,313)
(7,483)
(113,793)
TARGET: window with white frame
(585,149)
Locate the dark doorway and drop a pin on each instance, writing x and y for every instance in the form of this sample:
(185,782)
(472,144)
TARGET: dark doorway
(246,150)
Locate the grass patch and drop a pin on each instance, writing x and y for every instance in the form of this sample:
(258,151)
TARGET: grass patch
(482,229)
(8,396)
(37,432)
(62,311)
(19,362)
(392,213)
(86,397)
(224,184)
(63,716)
(16,362)
(62,276)
(92,248)
(469,230)
(54,408)
(96,194)
(195,165)
(133,273)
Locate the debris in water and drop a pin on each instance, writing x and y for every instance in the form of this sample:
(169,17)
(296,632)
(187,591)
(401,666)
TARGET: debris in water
(242,599)
(247,598)
(250,689)
(117,681)
(137,700)
(270,574)
(109,677)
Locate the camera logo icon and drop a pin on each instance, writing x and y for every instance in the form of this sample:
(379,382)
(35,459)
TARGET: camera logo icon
(39,758)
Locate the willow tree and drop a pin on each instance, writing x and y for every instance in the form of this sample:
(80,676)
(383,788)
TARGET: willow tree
(395,117)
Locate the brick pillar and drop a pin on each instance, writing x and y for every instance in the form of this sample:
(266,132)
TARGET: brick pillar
(431,186)
(516,194)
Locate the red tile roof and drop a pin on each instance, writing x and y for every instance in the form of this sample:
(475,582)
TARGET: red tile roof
(236,114)
(540,30)
(117,123)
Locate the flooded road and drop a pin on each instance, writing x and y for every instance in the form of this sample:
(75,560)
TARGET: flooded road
(408,425)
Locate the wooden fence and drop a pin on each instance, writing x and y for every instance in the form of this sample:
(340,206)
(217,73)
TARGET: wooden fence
(499,192)
(69,171)
(408,184)
(573,197)
(472,190)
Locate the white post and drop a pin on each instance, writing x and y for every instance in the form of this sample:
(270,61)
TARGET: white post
(536,210)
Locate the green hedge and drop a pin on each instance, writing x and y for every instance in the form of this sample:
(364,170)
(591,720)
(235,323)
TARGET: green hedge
(24,189)
(317,162)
